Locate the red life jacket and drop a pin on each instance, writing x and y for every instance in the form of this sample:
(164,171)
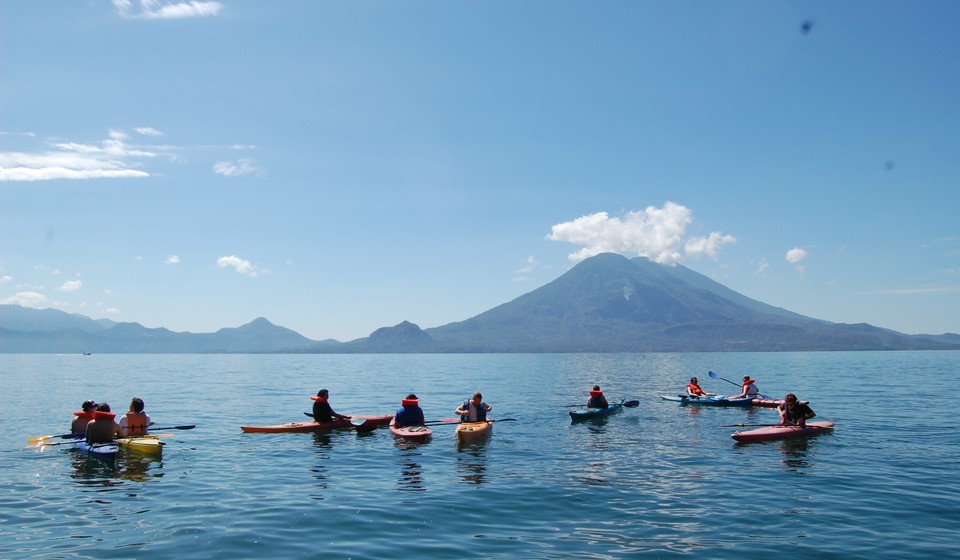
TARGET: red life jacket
(596,393)
(695,389)
(136,424)
(409,402)
(319,399)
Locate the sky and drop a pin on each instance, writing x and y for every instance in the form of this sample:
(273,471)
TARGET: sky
(338,167)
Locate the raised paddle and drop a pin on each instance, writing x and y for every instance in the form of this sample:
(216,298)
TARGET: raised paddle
(717,376)
(37,439)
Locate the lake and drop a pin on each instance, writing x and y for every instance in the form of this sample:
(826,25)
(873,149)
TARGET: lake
(658,481)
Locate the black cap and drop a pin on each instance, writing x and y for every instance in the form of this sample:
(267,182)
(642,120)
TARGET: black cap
(87,405)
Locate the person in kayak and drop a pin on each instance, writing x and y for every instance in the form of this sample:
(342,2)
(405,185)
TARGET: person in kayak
(748,389)
(410,413)
(103,428)
(83,417)
(596,399)
(694,390)
(473,409)
(322,412)
(135,422)
(793,413)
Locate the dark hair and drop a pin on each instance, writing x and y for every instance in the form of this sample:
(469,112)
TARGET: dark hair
(323,393)
(790,398)
(477,395)
(412,397)
(596,387)
(136,404)
(693,380)
(87,405)
(103,407)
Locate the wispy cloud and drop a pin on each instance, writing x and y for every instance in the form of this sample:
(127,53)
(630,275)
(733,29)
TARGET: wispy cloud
(655,233)
(26,299)
(242,166)
(70,286)
(172,259)
(919,290)
(242,266)
(157,9)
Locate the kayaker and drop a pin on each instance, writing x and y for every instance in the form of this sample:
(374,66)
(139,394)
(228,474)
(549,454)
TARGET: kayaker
(322,412)
(83,417)
(410,413)
(103,428)
(473,409)
(135,422)
(694,390)
(748,389)
(793,413)
(597,400)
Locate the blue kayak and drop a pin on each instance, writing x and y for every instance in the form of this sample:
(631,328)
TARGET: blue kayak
(592,413)
(98,450)
(708,401)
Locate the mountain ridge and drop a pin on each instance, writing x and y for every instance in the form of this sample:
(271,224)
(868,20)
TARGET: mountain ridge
(606,303)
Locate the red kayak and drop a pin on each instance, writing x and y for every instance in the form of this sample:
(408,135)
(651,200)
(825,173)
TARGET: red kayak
(360,422)
(416,433)
(768,433)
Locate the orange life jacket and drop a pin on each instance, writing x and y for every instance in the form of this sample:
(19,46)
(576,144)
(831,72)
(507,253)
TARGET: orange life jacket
(695,389)
(136,424)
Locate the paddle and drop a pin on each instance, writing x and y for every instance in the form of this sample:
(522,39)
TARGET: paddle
(750,425)
(628,404)
(37,439)
(717,376)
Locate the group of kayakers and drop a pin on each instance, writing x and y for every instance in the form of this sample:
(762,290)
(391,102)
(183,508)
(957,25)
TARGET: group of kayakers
(792,412)
(98,424)
(409,413)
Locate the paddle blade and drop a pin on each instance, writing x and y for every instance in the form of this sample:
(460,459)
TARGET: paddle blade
(631,404)
(38,439)
(714,375)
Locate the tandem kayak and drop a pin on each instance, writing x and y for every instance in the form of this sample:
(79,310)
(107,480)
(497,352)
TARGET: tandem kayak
(473,431)
(593,413)
(145,445)
(416,433)
(708,401)
(338,424)
(768,433)
(106,451)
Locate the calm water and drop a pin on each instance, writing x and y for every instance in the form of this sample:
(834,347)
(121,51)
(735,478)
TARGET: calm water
(658,481)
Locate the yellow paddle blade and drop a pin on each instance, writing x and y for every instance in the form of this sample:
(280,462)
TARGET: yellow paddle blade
(36,439)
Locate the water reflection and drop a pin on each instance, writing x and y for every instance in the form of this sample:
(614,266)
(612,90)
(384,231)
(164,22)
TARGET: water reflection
(472,462)
(321,441)
(796,453)
(411,470)
(126,466)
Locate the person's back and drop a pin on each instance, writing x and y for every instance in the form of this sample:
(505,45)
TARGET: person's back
(135,422)
(410,413)
(597,400)
(103,428)
(83,417)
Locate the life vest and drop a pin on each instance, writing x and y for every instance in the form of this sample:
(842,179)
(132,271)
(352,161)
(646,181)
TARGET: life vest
(101,415)
(695,389)
(748,388)
(410,402)
(596,393)
(319,399)
(481,413)
(136,424)
(88,414)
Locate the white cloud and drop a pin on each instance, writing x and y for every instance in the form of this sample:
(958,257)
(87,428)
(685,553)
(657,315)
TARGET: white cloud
(26,299)
(655,233)
(242,166)
(796,255)
(70,286)
(157,9)
(762,267)
(147,131)
(5,278)
(532,263)
(242,266)
(112,311)
(110,158)
(172,259)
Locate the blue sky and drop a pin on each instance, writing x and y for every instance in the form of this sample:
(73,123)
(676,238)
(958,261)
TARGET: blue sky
(337,167)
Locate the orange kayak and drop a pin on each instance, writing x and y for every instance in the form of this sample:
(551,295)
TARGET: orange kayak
(473,431)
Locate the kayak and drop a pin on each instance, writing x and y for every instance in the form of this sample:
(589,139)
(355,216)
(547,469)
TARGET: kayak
(417,433)
(144,445)
(593,413)
(708,401)
(311,426)
(472,431)
(768,433)
(106,451)
(771,403)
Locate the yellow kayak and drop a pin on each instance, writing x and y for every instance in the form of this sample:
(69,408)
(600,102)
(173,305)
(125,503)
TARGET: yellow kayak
(473,431)
(145,445)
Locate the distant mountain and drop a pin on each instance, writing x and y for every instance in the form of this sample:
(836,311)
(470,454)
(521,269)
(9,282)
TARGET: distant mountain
(607,303)
(26,330)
